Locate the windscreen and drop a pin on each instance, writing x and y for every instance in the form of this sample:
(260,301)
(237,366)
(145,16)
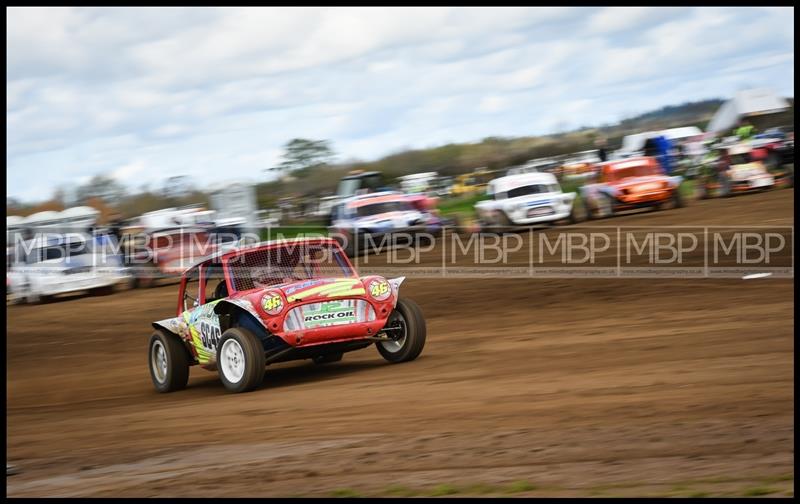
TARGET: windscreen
(384,207)
(528,190)
(61,251)
(633,171)
(287,263)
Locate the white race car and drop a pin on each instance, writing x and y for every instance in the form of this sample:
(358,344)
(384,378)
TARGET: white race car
(52,264)
(525,199)
(362,222)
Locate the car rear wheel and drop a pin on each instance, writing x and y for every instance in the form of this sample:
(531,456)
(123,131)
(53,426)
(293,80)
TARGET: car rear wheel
(407,329)
(603,207)
(169,362)
(103,291)
(675,200)
(147,275)
(36,298)
(240,360)
(577,213)
(501,225)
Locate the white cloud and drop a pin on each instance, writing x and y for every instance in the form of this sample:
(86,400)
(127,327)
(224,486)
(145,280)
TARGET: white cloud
(193,90)
(492,104)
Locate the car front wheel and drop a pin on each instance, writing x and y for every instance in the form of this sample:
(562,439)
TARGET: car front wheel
(240,360)
(406,327)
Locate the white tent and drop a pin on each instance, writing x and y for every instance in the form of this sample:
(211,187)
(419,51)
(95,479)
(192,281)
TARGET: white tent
(751,102)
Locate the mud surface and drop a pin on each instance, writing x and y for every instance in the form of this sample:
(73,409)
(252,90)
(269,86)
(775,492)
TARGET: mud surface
(535,386)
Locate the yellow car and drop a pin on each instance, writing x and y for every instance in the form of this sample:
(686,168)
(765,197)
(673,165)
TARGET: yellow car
(471,183)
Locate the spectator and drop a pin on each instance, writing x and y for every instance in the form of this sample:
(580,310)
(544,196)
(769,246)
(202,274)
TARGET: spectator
(602,153)
(745,131)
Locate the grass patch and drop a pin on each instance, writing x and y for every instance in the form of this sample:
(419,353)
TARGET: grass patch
(400,491)
(480,489)
(345,492)
(444,489)
(520,486)
(283,232)
(686,189)
(758,491)
(778,479)
(460,205)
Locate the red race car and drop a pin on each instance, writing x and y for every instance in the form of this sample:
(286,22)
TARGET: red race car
(166,253)
(278,301)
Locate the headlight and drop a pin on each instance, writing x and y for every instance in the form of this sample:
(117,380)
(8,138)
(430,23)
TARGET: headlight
(272,302)
(379,289)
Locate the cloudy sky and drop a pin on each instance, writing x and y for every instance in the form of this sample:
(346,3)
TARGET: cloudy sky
(214,93)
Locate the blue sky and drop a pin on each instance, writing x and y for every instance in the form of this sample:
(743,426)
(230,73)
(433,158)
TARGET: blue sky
(214,93)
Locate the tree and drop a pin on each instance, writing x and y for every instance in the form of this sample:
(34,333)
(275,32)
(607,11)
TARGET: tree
(177,187)
(103,187)
(302,154)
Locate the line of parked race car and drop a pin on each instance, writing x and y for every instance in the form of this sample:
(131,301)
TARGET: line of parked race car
(369,216)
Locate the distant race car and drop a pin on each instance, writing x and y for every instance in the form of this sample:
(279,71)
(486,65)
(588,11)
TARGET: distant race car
(775,147)
(735,171)
(630,183)
(167,252)
(378,219)
(52,264)
(525,199)
(279,301)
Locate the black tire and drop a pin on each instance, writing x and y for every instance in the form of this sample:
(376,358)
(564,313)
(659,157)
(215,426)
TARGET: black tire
(408,315)
(147,277)
(577,214)
(253,360)
(725,187)
(608,203)
(105,290)
(703,190)
(675,201)
(588,209)
(328,358)
(503,225)
(176,375)
(773,161)
(38,299)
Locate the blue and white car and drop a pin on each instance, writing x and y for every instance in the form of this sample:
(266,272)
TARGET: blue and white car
(53,263)
(525,199)
(371,220)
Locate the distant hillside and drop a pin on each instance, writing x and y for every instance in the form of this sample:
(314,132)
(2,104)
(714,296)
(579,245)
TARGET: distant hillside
(452,159)
(493,152)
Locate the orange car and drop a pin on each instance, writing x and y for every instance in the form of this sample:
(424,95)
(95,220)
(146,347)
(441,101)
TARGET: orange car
(625,184)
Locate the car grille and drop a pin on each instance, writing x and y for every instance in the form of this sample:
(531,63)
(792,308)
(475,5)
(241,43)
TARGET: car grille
(328,313)
(539,211)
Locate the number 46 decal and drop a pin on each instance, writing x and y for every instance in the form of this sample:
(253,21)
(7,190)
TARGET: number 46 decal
(209,335)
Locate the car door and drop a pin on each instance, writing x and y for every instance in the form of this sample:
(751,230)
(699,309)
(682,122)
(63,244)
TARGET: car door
(199,315)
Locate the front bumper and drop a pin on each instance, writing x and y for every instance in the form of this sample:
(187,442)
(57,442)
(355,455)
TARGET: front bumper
(525,220)
(368,316)
(640,199)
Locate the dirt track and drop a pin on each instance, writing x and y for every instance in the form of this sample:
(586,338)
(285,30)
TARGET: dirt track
(525,387)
